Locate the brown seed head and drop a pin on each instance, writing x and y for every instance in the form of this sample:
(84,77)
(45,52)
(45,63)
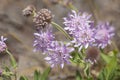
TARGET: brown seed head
(92,55)
(29,11)
(42,18)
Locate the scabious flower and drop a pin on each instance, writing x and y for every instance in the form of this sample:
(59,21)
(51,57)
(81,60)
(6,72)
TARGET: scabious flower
(3,45)
(79,27)
(59,54)
(83,38)
(103,34)
(43,40)
(76,20)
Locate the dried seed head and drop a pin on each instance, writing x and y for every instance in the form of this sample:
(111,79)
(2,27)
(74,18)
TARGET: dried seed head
(42,18)
(92,55)
(29,11)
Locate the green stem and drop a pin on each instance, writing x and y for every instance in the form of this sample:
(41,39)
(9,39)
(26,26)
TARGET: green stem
(71,6)
(15,75)
(62,30)
(13,61)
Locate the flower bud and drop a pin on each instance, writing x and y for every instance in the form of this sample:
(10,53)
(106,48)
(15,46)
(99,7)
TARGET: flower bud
(92,55)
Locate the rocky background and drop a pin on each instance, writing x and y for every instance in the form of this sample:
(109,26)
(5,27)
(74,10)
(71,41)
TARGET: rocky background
(19,31)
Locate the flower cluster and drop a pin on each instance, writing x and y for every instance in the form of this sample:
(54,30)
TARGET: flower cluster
(103,34)
(79,26)
(58,54)
(43,40)
(84,34)
(3,45)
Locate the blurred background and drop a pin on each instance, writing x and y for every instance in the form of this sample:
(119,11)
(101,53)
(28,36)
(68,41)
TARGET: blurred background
(19,30)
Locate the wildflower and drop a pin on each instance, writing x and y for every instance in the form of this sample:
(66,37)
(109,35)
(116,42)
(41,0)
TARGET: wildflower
(76,21)
(3,45)
(92,55)
(83,38)
(103,34)
(59,54)
(42,18)
(43,39)
(80,28)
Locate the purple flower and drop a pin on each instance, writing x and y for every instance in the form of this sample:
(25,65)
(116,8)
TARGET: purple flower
(43,40)
(80,28)
(83,37)
(103,34)
(3,46)
(77,20)
(59,54)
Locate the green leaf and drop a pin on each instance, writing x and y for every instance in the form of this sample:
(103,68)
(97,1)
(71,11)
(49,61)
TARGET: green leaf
(23,78)
(111,67)
(6,68)
(78,75)
(105,57)
(45,74)
(102,74)
(109,70)
(37,75)
(13,61)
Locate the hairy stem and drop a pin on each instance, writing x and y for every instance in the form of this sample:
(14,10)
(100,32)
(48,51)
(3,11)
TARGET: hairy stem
(61,29)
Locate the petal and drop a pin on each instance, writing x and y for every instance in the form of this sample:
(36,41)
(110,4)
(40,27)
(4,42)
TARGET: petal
(62,65)
(47,58)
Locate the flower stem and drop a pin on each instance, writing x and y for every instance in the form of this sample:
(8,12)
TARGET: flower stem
(71,6)
(61,29)
(13,61)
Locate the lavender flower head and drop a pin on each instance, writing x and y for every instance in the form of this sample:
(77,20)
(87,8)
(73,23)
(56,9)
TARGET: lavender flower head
(43,40)
(79,26)
(59,54)
(76,20)
(103,34)
(83,38)
(3,45)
